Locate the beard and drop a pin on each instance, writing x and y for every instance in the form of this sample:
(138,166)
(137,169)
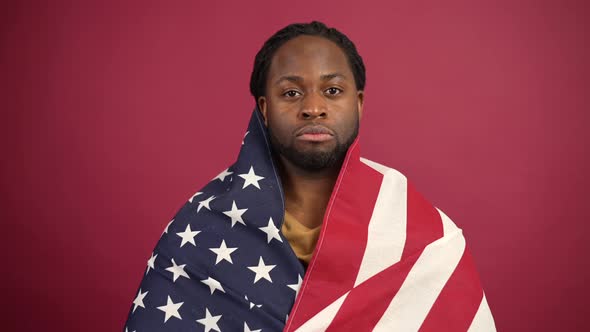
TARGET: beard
(314,160)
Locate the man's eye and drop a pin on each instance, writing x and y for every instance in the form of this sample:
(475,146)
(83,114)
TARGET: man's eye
(291,94)
(333,91)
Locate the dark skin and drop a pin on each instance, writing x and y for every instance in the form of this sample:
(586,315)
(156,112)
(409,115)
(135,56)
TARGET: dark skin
(310,85)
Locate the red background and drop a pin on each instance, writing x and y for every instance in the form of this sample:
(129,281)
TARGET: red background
(114,114)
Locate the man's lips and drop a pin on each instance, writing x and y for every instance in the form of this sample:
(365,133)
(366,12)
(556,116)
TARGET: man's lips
(314,133)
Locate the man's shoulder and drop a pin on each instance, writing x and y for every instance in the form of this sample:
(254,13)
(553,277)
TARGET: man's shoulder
(396,182)
(381,168)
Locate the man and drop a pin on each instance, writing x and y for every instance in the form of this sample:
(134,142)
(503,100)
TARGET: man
(301,234)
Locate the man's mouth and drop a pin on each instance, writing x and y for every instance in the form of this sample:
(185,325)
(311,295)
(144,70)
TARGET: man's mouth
(314,133)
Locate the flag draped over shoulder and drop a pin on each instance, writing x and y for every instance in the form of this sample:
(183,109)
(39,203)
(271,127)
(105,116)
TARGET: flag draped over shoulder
(386,259)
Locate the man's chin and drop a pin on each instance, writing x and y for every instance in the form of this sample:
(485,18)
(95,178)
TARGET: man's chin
(315,147)
(311,156)
(313,159)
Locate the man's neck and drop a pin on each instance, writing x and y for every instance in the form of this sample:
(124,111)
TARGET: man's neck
(307,193)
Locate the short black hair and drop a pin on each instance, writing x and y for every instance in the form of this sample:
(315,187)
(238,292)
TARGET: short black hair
(315,28)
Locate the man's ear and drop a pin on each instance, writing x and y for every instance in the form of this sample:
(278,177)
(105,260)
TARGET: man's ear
(360,100)
(262,106)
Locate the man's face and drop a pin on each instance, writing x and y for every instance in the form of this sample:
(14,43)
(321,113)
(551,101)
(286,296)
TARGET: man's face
(312,107)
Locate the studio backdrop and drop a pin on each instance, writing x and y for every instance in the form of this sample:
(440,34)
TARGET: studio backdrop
(115,113)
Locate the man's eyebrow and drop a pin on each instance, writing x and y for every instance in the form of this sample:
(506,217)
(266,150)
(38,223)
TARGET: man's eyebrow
(299,79)
(290,78)
(328,77)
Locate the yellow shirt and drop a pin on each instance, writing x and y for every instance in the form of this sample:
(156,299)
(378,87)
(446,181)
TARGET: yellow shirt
(301,238)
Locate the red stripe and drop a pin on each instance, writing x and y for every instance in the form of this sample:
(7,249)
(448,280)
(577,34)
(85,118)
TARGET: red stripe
(459,300)
(424,224)
(341,245)
(366,304)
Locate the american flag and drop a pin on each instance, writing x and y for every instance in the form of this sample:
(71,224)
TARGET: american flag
(386,259)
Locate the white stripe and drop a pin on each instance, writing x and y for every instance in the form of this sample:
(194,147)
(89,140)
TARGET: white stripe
(387,227)
(420,289)
(483,320)
(322,319)
(448,225)
(376,166)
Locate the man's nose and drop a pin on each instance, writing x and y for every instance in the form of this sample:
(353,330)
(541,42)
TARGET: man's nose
(314,106)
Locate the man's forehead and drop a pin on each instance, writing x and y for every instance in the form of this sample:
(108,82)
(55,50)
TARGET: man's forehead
(309,54)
